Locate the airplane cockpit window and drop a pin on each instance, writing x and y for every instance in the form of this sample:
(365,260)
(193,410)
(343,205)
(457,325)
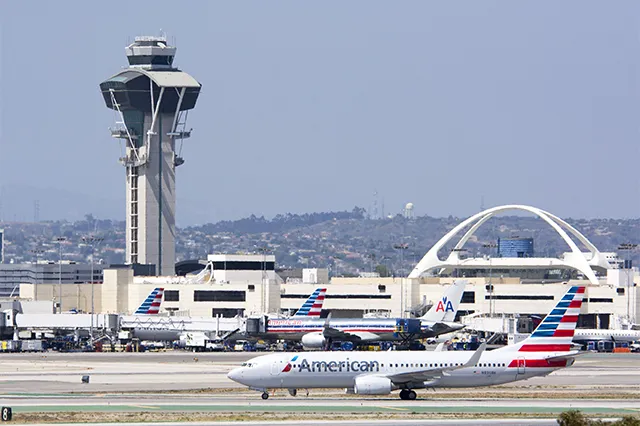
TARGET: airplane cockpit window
(244,364)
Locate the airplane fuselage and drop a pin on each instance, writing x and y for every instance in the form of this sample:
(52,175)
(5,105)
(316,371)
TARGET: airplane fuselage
(386,329)
(340,369)
(585,335)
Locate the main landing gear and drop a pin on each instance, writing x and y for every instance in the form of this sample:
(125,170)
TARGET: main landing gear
(265,395)
(408,394)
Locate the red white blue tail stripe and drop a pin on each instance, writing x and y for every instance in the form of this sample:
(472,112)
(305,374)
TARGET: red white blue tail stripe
(313,306)
(151,305)
(555,332)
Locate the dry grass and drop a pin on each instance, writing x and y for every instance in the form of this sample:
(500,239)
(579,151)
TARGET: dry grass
(159,417)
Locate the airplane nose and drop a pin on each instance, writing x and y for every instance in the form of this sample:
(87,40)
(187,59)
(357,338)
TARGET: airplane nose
(235,374)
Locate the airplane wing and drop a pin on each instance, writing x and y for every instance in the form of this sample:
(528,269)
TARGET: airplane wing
(432,373)
(441,327)
(347,336)
(354,336)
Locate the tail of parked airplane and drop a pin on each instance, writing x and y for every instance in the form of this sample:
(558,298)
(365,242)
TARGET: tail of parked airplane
(151,305)
(313,306)
(446,308)
(555,332)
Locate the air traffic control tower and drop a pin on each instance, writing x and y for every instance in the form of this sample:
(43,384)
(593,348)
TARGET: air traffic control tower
(151,99)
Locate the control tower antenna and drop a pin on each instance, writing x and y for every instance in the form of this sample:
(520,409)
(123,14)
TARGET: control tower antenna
(151,99)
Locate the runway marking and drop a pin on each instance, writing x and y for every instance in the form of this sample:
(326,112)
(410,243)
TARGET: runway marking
(144,406)
(392,408)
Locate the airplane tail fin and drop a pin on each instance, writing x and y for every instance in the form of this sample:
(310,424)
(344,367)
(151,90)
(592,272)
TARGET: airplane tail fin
(151,305)
(447,307)
(555,332)
(313,306)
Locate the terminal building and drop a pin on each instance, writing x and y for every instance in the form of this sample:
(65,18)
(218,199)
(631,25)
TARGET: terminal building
(249,285)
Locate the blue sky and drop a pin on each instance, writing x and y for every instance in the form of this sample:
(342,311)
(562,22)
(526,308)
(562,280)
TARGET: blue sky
(312,106)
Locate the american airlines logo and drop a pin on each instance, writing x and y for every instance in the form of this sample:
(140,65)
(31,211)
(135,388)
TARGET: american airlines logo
(333,366)
(284,322)
(445,305)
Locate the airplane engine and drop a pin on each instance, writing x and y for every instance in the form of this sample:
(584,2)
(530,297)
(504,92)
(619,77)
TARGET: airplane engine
(372,386)
(313,340)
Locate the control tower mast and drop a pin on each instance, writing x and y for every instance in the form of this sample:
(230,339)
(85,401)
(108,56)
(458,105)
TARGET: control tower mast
(151,99)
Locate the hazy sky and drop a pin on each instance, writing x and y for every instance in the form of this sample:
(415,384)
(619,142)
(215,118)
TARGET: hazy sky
(311,106)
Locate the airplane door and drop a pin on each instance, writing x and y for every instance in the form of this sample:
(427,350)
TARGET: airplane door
(521,365)
(276,367)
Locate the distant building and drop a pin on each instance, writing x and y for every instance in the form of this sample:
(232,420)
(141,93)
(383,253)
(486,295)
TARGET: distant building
(1,245)
(515,247)
(12,275)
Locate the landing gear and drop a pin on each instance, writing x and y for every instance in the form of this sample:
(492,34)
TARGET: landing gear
(265,395)
(408,394)
(293,392)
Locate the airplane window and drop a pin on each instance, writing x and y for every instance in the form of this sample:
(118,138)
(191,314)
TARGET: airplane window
(396,365)
(244,364)
(420,365)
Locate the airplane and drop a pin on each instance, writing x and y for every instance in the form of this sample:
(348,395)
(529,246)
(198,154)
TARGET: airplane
(379,373)
(584,335)
(151,305)
(164,332)
(320,333)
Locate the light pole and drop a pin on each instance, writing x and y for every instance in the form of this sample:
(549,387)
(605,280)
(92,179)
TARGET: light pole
(60,240)
(490,246)
(628,266)
(37,252)
(402,247)
(92,241)
(263,250)
(335,265)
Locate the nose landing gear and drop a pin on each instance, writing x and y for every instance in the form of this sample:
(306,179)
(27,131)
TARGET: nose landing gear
(265,395)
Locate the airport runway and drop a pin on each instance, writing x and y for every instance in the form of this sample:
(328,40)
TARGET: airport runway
(169,383)
(173,371)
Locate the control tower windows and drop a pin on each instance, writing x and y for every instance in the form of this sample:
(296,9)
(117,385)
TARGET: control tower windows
(150,60)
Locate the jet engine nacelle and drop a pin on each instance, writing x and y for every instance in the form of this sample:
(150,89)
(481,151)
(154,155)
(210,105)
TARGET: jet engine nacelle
(313,340)
(367,385)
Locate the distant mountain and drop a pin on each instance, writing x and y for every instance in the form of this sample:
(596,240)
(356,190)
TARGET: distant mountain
(347,242)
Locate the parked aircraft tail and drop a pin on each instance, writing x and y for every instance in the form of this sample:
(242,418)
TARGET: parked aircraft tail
(555,332)
(151,305)
(446,308)
(313,306)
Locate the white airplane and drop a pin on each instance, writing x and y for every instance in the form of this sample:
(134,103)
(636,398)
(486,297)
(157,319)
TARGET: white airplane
(379,373)
(593,334)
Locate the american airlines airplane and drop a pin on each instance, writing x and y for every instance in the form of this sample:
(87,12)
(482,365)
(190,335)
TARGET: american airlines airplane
(379,373)
(319,333)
